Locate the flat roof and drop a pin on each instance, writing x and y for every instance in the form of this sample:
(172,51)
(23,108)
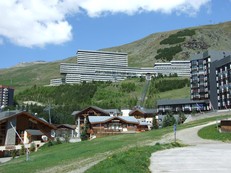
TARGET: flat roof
(102,52)
(179,101)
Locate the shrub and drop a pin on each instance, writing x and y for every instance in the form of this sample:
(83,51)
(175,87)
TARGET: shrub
(67,138)
(50,143)
(84,136)
(155,124)
(178,37)
(181,118)
(13,153)
(22,151)
(58,141)
(169,120)
(32,147)
(167,54)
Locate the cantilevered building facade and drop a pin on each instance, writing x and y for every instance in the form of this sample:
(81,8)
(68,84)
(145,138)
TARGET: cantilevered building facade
(95,66)
(112,66)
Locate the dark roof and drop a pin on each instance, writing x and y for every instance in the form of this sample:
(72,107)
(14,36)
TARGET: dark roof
(78,113)
(179,101)
(34,132)
(104,119)
(68,126)
(144,111)
(215,55)
(223,61)
(114,111)
(75,112)
(9,114)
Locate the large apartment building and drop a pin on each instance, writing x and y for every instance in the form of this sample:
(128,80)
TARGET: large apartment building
(181,68)
(6,96)
(112,66)
(210,78)
(210,84)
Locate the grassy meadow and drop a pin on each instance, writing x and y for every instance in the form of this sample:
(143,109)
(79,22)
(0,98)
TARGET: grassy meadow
(212,132)
(70,156)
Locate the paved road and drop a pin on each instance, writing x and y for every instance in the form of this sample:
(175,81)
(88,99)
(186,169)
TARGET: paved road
(203,156)
(5,159)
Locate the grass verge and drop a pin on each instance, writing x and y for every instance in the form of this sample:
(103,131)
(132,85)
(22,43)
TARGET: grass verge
(136,159)
(211,132)
(71,156)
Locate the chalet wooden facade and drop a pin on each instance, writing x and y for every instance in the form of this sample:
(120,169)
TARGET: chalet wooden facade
(64,130)
(81,117)
(115,124)
(16,124)
(145,116)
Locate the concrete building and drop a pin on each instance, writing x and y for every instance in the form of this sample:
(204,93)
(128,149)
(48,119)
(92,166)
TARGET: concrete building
(210,83)
(6,96)
(210,78)
(112,66)
(181,68)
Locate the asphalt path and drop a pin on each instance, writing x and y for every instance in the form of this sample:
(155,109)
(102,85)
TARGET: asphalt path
(202,156)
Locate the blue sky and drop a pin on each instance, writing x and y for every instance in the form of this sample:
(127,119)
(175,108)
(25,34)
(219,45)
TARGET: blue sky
(32,30)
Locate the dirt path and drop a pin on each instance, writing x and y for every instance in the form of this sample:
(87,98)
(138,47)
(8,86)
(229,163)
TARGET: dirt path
(201,156)
(188,136)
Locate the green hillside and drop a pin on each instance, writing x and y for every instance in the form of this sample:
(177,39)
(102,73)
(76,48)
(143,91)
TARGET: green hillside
(143,52)
(38,74)
(65,99)
(164,46)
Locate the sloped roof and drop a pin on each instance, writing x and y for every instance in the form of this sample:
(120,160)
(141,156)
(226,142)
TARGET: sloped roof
(68,126)
(10,114)
(116,111)
(104,119)
(179,101)
(144,111)
(143,123)
(34,132)
(129,119)
(79,113)
(7,114)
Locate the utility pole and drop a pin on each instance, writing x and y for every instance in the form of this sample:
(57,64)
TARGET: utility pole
(174,129)
(49,112)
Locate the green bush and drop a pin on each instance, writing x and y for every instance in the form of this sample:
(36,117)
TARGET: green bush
(128,87)
(168,120)
(32,147)
(13,153)
(166,54)
(178,37)
(173,40)
(58,141)
(181,118)
(22,151)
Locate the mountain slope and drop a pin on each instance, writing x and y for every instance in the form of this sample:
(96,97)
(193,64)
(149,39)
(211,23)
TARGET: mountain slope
(214,37)
(142,53)
(30,75)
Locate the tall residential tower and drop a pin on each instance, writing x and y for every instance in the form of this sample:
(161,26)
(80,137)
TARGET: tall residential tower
(6,96)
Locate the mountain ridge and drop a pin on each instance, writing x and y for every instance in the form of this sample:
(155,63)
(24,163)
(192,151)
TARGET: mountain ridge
(141,53)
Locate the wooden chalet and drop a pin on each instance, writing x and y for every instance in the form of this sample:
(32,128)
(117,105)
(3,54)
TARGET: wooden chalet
(17,124)
(81,117)
(115,124)
(64,130)
(143,113)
